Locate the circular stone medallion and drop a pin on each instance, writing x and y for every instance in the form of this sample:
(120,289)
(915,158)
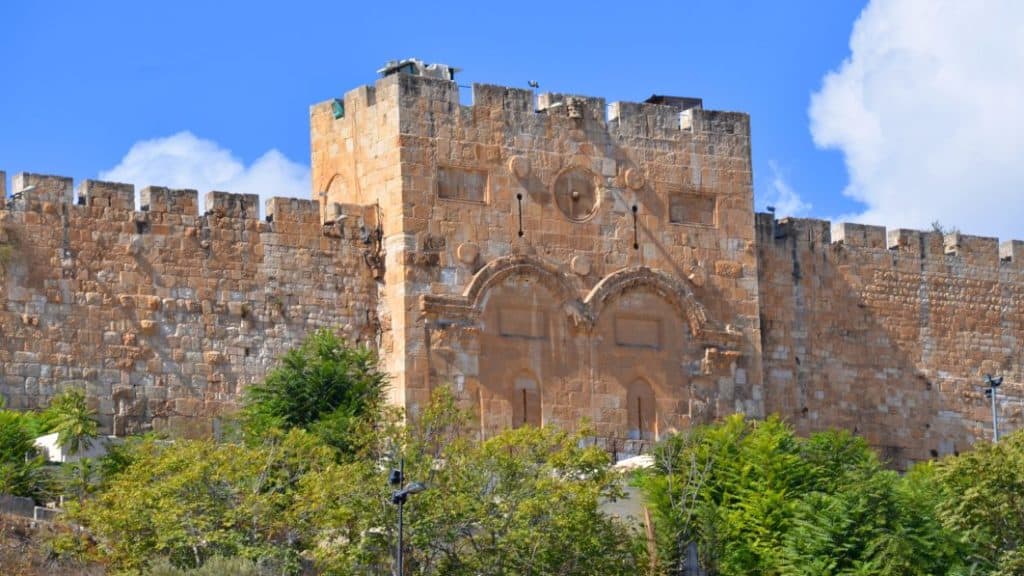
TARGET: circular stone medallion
(576,193)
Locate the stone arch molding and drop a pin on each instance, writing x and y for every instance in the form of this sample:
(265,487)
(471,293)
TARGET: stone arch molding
(661,283)
(497,271)
(584,312)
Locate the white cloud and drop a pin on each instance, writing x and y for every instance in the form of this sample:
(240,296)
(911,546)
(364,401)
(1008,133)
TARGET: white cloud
(185,161)
(787,202)
(927,112)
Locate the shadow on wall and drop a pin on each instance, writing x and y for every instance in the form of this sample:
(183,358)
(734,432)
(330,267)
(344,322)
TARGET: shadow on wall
(886,343)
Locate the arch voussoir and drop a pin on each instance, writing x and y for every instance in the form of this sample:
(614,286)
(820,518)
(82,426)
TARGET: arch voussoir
(500,269)
(661,283)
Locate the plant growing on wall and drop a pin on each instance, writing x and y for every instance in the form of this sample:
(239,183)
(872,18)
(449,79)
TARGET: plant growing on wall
(6,255)
(6,248)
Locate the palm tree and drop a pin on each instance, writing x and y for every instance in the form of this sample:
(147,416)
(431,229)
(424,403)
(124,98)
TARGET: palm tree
(74,422)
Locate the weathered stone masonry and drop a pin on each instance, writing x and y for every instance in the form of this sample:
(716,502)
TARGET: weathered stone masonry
(518,271)
(553,258)
(164,315)
(888,334)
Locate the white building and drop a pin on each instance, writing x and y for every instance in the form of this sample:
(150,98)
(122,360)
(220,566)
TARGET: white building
(54,452)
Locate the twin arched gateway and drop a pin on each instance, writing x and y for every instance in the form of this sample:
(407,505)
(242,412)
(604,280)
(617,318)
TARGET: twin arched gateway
(530,345)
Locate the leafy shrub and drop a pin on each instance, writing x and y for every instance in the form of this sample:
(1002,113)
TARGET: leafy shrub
(322,385)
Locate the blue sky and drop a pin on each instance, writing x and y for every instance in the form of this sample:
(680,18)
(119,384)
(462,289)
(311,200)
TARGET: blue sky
(111,88)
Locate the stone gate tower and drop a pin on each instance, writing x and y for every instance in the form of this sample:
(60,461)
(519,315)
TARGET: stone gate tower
(552,257)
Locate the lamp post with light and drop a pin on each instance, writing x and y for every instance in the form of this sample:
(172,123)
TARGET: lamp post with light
(990,393)
(398,498)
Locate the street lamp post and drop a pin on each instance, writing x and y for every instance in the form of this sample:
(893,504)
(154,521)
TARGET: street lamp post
(398,498)
(990,393)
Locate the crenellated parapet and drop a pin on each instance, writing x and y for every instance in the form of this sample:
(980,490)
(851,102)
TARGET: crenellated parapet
(466,178)
(901,243)
(526,111)
(113,195)
(293,210)
(160,200)
(117,202)
(164,311)
(39,191)
(888,332)
(228,205)
(1011,251)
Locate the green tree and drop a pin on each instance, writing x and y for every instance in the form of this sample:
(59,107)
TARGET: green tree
(21,467)
(324,386)
(523,502)
(80,478)
(71,418)
(756,499)
(982,501)
(191,500)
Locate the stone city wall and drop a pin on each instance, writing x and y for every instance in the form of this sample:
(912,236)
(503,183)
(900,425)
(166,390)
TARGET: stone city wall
(640,322)
(888,335)
(553,258)
(165,314)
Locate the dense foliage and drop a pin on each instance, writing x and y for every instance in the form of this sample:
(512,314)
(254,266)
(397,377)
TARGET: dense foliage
(323,385)
(979,497)
(523,502)
(189,501)
(22,471)
(308,487)
(20,466)
(737,497)
(305,489)
(750,497)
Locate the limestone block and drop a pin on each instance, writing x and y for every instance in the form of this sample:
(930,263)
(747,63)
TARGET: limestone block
(468,252)
(728,269)
(149,327)
(156,199)
(39,189)
(108,194)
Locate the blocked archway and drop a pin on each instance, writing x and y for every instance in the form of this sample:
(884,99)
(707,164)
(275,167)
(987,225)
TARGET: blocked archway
(629,356)
(644,351)
(642,416)
(498,271)
(528,348)
(526,401)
